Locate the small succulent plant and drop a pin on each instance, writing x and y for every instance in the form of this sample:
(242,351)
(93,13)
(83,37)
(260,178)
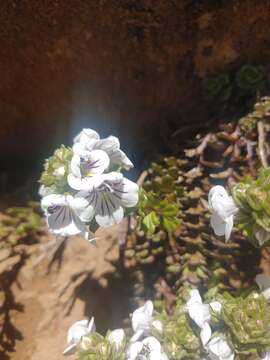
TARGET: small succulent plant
(250,78)
(218,87)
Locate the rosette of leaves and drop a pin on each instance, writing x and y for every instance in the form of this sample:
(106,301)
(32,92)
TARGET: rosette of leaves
(163,263)
(56,169)
(158,213)
(218,87)
(247,322)
(253,200)
(18,223)
(178,338)
(250,78)
(98,347)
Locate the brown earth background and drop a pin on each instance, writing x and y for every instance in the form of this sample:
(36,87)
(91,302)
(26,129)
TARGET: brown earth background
(129,67)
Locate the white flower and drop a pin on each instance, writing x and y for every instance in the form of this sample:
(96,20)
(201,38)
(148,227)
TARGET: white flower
(105,202)
(219,349)
(141,320)
(76,332)
(263,281)
(223,209)
(85,166)
(117,337)
(148,349)
(62,215)
(88,139)
(200,314)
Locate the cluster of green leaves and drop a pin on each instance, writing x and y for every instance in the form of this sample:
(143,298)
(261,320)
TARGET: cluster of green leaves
(179,338)
(252,197)
(246,321)
(157,214)
(60,159)
(97,347)
(17,223)
(247,80)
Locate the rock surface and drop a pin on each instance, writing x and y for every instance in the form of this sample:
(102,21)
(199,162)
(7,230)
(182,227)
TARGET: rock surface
(120,66)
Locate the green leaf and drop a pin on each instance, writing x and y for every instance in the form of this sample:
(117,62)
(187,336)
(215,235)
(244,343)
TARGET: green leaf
(150,222)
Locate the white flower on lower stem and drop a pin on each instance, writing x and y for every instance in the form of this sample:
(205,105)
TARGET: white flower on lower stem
(141,320)
(117,337)
(85,167)
(106,201)
(147,349)
(263,281)
(76,332)
(223,210)
(88,139)
(219,349)
(200,314)
(62,215)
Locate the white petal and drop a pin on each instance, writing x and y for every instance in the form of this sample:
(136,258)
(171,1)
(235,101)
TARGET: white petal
(218,225)
(142,316)
(75,166)
(194,297)
(86,183)
(70,350)
(108,211)
(127,191)
(228,227)
(215,191)
(117,337)
(205,334)
(86,135)
(91,327)
(152,344)
(220,349)
(134,350)
(98,161)
(77,330)
(199,313)
(51,200)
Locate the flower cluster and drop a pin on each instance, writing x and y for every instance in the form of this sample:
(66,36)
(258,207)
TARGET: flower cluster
(83,338)
(83,187)
(227,328)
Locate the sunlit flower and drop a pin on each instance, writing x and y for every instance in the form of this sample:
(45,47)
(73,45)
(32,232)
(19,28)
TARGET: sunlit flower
(76,332)
(263,281)
(200,314)
(85,167)
(117,337)
(106,201)
(62,215)
(147,349)
(219,349)
(88,139)
(223,210)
